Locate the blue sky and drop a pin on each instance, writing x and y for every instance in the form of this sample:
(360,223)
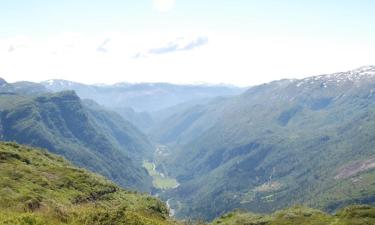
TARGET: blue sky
(242,42)
(329,17)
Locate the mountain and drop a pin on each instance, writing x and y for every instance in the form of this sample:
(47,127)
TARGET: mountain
(142,97)
(22,87)
(39,188)
(287,142)
(142,120)
(121,132)
(87,135)
(137,102)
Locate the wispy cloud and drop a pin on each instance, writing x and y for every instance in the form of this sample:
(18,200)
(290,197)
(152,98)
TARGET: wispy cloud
(180,44)
(11,48)
(102,47)
(196,43)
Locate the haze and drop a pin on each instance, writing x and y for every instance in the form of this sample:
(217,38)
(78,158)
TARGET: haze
(236,42)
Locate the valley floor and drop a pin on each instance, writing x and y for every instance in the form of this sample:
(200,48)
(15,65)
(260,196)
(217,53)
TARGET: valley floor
(160,180)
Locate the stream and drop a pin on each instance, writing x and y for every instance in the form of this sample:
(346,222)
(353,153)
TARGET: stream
(161,181)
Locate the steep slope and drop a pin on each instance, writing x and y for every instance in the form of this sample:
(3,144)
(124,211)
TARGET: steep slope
(304,141)
(142,120)
(38,188)
(63,125)
(122,133)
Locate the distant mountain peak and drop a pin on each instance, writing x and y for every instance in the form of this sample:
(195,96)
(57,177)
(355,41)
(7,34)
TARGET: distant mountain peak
(58,82)
(355,75)
(2,82)
(57,85)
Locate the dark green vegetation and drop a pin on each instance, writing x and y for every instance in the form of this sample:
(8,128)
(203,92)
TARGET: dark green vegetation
(84,133)
(288,142)
(124,134)
(137,103)
(38,188)
(355,215)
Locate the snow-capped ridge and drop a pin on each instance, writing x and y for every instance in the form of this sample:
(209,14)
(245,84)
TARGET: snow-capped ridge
(351,76)
(58,82)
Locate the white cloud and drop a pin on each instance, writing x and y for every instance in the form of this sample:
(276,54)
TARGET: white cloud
(103,46)
(178,44)
(233,59)
(163,5)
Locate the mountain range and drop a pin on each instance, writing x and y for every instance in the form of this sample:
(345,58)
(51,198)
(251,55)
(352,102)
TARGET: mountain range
(139,103)
(289,142)
(82,131)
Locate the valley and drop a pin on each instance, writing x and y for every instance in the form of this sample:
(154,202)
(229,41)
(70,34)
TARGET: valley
(157,170)
(172,112)
(161,180)
(277,145)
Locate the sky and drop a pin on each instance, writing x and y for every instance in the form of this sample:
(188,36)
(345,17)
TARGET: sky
(239,42)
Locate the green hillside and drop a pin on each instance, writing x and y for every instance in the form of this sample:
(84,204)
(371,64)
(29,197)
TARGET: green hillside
(38,188)
(287,142)
(88,136)
(355,215)
(124,135)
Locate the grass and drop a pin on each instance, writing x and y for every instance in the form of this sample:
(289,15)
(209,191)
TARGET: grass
(159,181)
(38,188)
(164,183)
(354,215)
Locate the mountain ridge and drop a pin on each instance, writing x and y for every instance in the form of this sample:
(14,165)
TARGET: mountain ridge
(140,102)
(275,145)
(61,123)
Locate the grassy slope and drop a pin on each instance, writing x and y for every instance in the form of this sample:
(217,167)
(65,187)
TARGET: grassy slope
(354,215)
(37,187)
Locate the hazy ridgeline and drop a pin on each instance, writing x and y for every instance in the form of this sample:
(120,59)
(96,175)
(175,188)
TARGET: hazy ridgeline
(305,142)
